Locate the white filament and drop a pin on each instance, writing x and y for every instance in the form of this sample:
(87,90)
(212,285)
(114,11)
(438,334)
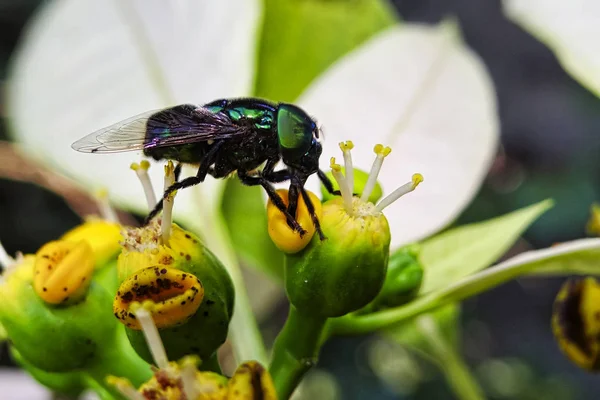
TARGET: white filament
(152,336)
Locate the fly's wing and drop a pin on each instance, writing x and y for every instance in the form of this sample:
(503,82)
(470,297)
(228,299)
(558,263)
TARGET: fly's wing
(174,126)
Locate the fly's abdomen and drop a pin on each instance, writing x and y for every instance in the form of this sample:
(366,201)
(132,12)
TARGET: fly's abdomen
(187,153)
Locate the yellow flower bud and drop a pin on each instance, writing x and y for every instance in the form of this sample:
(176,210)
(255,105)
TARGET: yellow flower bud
(286,239)
(575,321)
(251,381)
(175,296)
(63,271)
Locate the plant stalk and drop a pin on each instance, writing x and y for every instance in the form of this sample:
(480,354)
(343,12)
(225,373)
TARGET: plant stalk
(295,351)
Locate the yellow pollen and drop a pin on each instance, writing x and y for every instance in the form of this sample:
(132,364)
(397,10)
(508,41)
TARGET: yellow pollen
(416,180)
(347,145)
(382,150)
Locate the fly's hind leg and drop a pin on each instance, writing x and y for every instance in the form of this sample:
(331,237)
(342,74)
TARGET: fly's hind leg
(209,159)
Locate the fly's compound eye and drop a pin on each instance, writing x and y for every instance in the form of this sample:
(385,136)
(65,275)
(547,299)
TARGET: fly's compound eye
(295,130)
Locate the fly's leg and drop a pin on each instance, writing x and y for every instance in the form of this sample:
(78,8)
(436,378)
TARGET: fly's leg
(275,198)
(311,210)
(209,159)
(327,183)
(177,171)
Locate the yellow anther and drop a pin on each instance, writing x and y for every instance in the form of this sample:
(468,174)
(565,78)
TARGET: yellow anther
(286,239)
(171,296)
(347,145)
(382,150)
(416,180)
(134,166)
(102,193)
(333,165)
(169,168)
(145,165)
(63,271)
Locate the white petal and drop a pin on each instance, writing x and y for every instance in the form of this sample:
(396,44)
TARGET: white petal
(570,28)
(84,65)
(419,90)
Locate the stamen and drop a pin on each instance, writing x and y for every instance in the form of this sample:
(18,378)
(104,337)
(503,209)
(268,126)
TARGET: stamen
(6,261)
(188,377)
(125,388)
(381,153)
(152,336)
(167,217)
(106,211)
(346,147)
(401,191)
(141,170)
(336,170)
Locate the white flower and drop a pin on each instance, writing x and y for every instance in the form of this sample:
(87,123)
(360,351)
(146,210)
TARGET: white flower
(569,28)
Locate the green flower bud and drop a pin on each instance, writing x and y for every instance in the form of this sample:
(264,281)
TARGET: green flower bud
(345,272)
(184,286)
(54,338)
(403,279)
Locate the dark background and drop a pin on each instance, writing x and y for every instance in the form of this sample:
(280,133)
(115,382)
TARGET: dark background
(550,146)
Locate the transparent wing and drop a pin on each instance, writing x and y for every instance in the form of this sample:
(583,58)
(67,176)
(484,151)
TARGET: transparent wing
(178,125)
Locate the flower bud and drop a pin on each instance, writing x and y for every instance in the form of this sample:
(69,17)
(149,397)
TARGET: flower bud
(345,272)
(575,322)
(284,237)
(63,271)
(403,279)
(50,337)
(182,380)
(186,289)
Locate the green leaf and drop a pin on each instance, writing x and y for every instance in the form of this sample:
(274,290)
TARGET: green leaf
(300,39)
(245,213)
(576,257)
(460,252)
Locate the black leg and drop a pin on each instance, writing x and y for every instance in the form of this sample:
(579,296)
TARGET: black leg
(275,198)
(177,171)
(327,183)
(209,159)
(311,210)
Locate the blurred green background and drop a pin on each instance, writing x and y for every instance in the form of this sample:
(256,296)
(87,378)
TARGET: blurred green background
(550,147)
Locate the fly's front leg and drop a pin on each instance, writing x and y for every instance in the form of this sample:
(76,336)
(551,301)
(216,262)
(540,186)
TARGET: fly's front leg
(275,198)
(209,159)
(327,183)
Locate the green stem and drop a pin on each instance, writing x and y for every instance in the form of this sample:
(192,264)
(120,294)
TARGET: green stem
(457,373)
(295,351)
(245,336)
